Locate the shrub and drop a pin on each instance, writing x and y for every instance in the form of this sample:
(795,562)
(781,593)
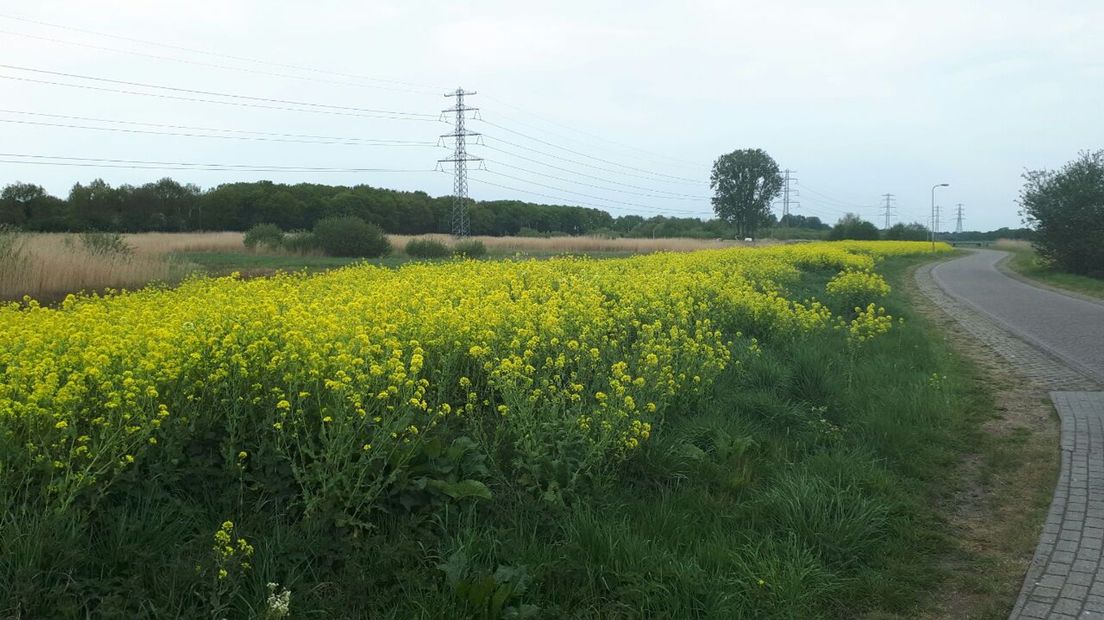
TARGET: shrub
(300,242)
(351,236)
(852,289)
(852,226)
(426,248)
(1066,209)
(470,248)
(268,235)
(105,244)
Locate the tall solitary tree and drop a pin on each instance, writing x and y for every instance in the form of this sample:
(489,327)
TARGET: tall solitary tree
(744,183)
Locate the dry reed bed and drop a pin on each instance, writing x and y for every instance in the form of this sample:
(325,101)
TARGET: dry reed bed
(55,264)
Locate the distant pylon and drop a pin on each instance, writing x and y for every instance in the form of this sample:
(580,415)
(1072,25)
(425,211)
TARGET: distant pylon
(958,218)
(459,160)
(888,209)
(788,193)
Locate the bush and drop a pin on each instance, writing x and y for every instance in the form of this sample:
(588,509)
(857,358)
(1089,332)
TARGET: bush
(105,244)
(470,248)
(268,235)
(351,236)
(852,289)
(300,242)
(852,226)
(1066,209)
(426,248)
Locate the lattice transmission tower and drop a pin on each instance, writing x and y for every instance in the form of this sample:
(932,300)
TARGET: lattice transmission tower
(888,213)
(788,193)
(459,161)
(959,216)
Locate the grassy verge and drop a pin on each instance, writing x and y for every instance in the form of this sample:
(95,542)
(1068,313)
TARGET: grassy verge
(809,484)
(1027,263)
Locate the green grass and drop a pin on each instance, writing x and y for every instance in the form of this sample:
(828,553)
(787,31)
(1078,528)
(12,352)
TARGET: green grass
(223,263)
(1027,263)
(219,263)
(804,487)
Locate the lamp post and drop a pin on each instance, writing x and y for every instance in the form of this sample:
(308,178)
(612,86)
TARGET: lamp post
(933,212)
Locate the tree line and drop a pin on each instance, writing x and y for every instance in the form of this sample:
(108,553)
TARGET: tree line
(169,206)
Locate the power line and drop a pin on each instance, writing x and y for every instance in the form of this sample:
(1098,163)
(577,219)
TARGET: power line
(331,141)
(568,201)
(568,159)
(592,136)
(306,104)
(595,177)
(427,89)
(199,100)
(958,218)
(888,209)
(585,195)
(580,153)
(208,64)
(831,200)
(98,162)
(605,188)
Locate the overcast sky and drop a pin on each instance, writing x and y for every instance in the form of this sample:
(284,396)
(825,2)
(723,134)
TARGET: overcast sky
(617,105)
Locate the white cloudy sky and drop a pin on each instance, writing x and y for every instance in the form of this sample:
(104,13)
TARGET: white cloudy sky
(860,97)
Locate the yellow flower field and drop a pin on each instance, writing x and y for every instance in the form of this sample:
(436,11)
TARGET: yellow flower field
(346,379)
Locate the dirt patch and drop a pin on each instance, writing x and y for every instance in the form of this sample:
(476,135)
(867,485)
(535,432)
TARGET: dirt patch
(1002,488)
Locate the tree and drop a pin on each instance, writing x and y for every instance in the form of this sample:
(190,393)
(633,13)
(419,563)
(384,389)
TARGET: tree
(744,183)
(1066,210)
(851,226)
(21,202)
(907,232)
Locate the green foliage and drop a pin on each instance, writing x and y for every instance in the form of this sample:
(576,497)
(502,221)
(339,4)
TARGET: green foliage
(744,184)
(786,494)
(907,232)
(351,236)
(264,236)
(796,233)
(469,248)
(1066,209)
(300,242)
(105,244)
(427,248)
(851,226)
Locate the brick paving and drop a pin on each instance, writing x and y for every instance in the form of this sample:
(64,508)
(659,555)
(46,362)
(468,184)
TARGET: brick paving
(1065,579)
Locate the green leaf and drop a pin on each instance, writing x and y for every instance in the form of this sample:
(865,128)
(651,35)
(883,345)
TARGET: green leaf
(461,489)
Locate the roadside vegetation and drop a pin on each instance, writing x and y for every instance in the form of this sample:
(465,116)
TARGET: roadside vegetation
(1026,261)
(1065,208)
(566,438)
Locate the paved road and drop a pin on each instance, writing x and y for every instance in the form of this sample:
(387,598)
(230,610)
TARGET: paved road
(1065,580)
(1069,328)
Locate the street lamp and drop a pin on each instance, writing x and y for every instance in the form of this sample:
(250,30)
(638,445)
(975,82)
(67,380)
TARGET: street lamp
(933,211)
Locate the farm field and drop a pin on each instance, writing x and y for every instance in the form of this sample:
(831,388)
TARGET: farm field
(669,435)
(48,266)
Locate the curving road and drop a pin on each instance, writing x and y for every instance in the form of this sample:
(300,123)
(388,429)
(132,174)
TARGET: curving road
(1069,328)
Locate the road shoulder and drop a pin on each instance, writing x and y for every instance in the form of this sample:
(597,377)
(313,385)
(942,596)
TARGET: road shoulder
(1002,488)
